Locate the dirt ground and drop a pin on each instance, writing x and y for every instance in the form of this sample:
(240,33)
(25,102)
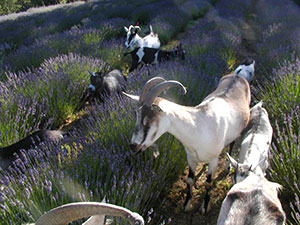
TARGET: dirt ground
(173,208)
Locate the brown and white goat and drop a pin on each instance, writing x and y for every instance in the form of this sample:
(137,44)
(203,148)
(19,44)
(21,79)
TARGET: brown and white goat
(31,141)
(204,130)
(252,201)
(65,214)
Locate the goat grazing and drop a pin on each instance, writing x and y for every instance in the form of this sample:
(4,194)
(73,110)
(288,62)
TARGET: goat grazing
(152,55)
(255,144)
(95,210)
(246,69)
(103,86)
(134,41)
(31,141)
(204,130)
(252,201)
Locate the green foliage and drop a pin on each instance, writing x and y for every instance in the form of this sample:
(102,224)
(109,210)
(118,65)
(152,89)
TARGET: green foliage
(281,99)
(10,6)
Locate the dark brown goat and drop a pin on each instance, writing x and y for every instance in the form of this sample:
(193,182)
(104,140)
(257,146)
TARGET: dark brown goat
(103,86)
(31,141)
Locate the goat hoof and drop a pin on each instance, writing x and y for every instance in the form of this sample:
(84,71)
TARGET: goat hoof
(205,210)
(188,206)
(227,167)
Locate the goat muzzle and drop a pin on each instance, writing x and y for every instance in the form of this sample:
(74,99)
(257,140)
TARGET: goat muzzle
(137,148)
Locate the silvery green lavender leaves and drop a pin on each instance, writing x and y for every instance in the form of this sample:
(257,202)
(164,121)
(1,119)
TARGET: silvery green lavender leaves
(44,59)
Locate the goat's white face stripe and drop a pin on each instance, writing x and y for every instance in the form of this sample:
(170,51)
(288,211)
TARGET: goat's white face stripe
(138,134)
(146,130)
(92,87)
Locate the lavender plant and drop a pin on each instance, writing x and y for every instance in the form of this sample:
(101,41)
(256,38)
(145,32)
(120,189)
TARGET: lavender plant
(22,28)
(49,46)
(45,97)
(196,9)
(281,98)
(89,168)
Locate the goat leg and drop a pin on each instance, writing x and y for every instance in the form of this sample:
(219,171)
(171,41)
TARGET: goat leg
(206,203)
(190,183)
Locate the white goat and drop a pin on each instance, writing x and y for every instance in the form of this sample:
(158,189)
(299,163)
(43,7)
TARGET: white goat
(134,41)
(204,130)
(246,69)
(252,201)
(255,144)
(95,210)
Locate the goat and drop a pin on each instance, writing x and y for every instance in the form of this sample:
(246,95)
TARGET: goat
(204,130)
(31,141)
(246,69)
(103,86)
(255,144)
(252,201)
(152,55)
(133,40)
(95,210)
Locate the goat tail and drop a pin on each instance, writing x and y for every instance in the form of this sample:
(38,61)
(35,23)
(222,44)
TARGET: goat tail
(151,30)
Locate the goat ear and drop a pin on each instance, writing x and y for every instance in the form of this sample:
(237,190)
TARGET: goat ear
(92,73)
(156,108)
(132,97)
(126,29)
(232,161)
(250,168)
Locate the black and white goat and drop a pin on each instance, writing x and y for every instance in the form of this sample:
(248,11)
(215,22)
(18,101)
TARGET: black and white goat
(204,130)
(103,86)
(252,201)
(151,55)
(65,214)
(255,144)
(246,69)
(134,41)
(31,141)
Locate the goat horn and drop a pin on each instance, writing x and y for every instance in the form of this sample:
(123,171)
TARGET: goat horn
(74,211)
(156,90)
(149,84)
